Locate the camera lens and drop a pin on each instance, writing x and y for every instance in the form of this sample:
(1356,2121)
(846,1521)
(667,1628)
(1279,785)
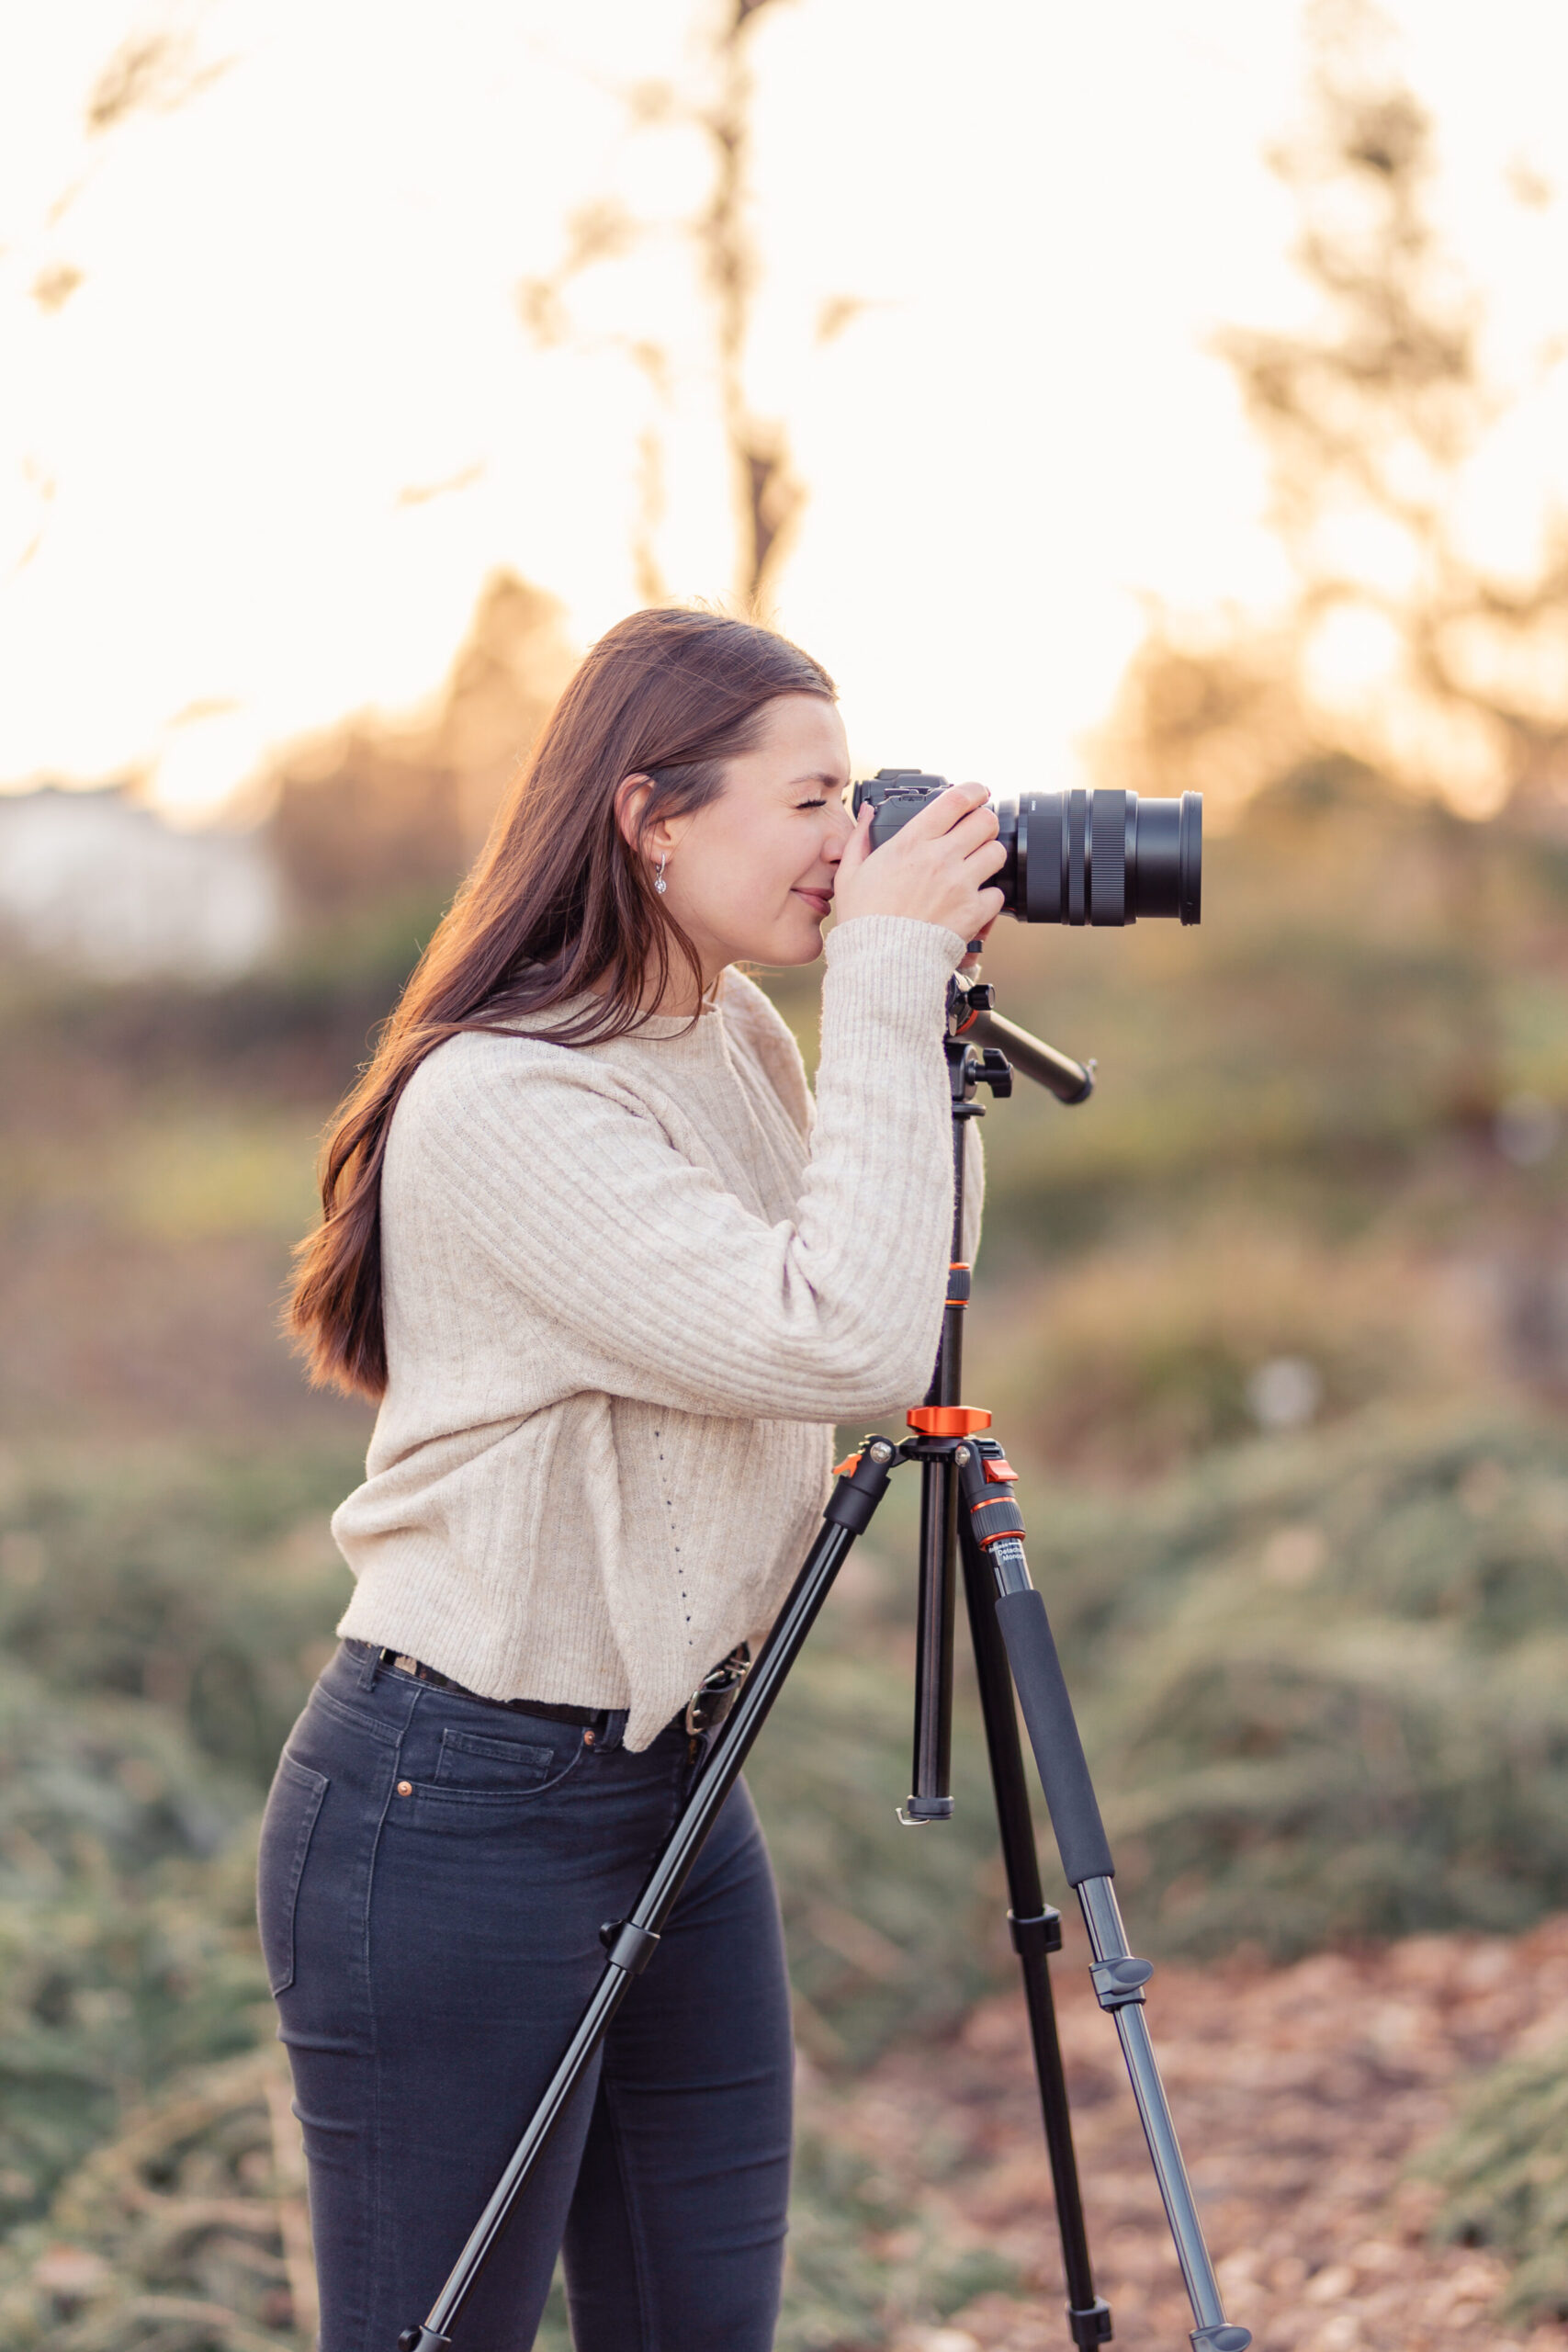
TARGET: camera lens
(1101,858)
(1072,857)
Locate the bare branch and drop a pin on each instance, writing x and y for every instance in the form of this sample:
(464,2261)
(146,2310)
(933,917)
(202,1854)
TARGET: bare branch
(150,71)
(768,496)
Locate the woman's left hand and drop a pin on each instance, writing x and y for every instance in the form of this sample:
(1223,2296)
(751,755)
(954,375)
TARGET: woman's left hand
(970,963)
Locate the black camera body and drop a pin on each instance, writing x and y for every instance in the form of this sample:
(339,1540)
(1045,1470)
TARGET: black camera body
(1072,857)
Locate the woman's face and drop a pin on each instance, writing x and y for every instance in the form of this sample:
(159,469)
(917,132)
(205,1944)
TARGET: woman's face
(750,878)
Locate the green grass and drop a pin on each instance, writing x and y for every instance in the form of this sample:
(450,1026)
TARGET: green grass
(1320,1678)
(1504,2170)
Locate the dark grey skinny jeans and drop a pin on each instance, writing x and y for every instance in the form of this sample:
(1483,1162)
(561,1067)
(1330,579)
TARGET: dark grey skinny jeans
(434,1875)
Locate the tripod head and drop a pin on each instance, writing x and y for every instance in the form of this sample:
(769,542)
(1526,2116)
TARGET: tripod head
(972,1019)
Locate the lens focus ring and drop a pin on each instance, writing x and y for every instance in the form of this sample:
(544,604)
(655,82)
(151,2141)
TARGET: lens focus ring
(1108,900)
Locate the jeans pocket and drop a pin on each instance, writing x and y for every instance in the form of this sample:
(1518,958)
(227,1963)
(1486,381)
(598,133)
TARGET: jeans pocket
(290,1818)
(468,1760)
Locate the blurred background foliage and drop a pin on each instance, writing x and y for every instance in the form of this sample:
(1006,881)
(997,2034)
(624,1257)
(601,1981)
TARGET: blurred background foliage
(1503,2172)
(1275,1326)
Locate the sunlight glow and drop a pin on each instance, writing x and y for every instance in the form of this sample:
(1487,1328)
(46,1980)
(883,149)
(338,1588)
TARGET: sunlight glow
(272,414)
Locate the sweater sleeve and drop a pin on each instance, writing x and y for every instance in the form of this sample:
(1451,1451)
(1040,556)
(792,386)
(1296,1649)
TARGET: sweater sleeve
(663,1285)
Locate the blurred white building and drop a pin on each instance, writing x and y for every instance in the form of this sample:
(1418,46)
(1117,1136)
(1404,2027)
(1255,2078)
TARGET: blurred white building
(91,880)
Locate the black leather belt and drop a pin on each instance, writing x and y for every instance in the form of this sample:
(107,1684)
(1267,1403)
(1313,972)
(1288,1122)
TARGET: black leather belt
(401,1664)
(706,1708)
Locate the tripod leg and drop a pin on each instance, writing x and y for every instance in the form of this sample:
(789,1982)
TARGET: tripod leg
(931,1796)
(1036,1933)
(931,1799)
(631,1942)
(996,1528)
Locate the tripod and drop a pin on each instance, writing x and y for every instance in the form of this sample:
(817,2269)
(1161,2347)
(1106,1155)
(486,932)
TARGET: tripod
(969,1519)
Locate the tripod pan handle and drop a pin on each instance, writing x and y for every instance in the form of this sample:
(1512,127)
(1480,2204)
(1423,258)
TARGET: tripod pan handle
(1069,1081)
(1054,1735)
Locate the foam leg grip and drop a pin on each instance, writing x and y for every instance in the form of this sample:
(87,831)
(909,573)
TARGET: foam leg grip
(1054,1735)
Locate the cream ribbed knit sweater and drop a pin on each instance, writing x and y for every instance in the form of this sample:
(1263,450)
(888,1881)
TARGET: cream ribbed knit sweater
(628,1290)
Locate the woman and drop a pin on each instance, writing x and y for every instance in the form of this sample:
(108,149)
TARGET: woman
(611,1278)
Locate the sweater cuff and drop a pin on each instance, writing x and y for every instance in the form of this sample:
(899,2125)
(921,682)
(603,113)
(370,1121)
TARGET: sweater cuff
(896,965)
(931,945)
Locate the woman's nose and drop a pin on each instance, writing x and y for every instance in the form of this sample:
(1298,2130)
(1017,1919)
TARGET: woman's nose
(840,834)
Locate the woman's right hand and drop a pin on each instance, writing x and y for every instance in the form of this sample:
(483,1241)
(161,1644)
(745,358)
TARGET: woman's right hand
(935,868)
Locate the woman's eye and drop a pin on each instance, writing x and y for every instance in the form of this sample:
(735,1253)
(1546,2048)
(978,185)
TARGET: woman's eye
(811,804)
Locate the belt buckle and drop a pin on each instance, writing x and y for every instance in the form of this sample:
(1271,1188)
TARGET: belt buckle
(715,1695)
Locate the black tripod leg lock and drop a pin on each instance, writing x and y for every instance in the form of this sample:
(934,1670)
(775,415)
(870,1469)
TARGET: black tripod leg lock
(422,2339)
(1033,1938)
(629,1946)
(1117,1981)
(1091,2325)
(860,1484)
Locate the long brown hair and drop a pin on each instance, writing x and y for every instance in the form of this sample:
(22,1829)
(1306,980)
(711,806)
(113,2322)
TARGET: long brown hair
(559,902)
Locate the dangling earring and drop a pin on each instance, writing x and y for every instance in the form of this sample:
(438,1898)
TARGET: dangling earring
(658,879)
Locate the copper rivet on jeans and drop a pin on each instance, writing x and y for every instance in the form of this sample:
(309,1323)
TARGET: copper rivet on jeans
(405,1788)
(588,1739)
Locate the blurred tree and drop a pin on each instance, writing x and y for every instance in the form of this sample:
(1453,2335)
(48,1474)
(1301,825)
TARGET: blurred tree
(1404,654)
(368,813)
(768,496)
(1219,713)
(1372,419)
(1404,644)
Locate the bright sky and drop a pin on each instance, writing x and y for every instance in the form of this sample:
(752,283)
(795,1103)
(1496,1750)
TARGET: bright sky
(255,465)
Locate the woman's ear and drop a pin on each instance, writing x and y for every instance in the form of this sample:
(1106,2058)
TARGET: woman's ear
(631,799)
(658,839)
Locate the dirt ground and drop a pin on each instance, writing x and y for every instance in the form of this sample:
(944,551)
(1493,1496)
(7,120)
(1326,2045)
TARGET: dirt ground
(1301,2096)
